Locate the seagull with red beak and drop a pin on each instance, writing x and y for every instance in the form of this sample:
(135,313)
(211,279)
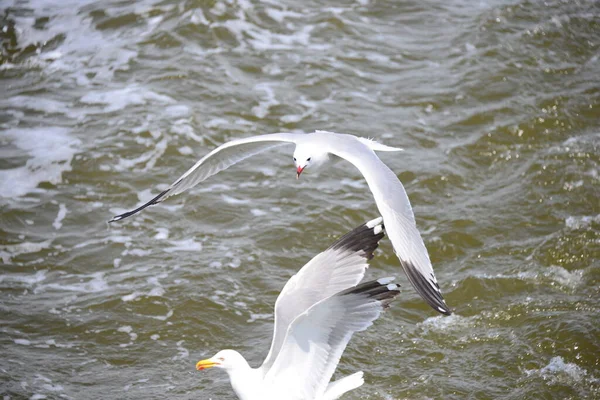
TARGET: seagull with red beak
(313,149)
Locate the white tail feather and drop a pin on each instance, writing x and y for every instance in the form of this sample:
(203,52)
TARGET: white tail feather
(337,388)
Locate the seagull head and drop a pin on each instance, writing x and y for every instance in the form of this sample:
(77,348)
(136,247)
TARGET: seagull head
(306,156)
(225,359)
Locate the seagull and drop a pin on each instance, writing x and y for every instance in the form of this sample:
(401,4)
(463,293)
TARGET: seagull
(313,150)
(316,314)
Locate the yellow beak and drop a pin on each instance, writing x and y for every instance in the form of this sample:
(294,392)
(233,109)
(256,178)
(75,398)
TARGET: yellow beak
(203,364)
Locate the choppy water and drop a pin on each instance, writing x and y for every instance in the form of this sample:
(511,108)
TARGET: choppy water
(103,103)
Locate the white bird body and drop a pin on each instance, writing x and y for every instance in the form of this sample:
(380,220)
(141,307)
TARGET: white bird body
(313,149)
(316,314)
(250,384)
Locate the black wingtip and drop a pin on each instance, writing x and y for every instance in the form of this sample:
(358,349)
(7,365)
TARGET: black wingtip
(432,295)
(365,237)
(155,200)
(383,290)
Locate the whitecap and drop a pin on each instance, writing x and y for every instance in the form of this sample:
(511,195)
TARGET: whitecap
(256,317)
(49,153)
(262,109)
(62,213)
(233,200)
(557,371)
(453,322)
(184,245)
(581,222)
(84,283)
(12,250)
(28,279)
(183,353)
(119,99)
(148,158)
(161,234)
(258,213)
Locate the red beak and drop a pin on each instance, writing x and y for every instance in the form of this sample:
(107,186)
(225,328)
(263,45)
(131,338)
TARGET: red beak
(299,171)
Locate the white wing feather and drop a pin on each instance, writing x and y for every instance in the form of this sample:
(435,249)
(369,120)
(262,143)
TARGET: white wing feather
(217,160)
(341,266)
(317,338)
(397,213)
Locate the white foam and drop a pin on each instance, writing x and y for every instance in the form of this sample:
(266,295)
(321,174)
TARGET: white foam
(177,111)
(183,353)
(137,252)
(49,151)
(558,371)
(22,342)
(258,213)
(581,222)
(94,283)
(157,291)
(62,213)
(131,297)
(125,329)
(233,200)
(38,103)
(168,315)
(256,317)
(119,99)
(28,279)
(162,234)
(560,275)
(453,322)
(148,158)
(184,245)
(262,109)
(354,184)
(129,330)
(12,250)
(185,150)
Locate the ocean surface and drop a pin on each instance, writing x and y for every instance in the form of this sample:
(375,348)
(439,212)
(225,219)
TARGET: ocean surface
(105,103)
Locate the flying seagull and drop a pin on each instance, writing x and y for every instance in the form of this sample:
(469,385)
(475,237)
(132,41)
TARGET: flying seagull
(316,314)
(312,150)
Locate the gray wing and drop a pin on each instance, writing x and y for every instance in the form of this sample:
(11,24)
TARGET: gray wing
(397,213)
(217,160)
(341,266)
(317,338)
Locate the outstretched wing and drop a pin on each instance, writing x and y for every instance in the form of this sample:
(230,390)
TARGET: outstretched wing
(341,266)
(217,160)
(317,338)
(397,213)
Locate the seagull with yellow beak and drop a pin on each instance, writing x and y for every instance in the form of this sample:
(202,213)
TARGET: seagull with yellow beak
(316,314)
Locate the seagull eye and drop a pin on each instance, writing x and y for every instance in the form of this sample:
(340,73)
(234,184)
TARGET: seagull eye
(294,158)
(221,359)
(308,159)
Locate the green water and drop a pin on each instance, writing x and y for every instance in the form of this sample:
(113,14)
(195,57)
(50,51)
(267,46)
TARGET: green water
(105,103)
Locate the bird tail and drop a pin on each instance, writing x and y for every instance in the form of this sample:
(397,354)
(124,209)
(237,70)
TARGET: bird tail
(337,388)
(375,146)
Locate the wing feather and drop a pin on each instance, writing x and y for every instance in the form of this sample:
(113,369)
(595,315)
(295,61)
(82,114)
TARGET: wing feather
(217,160)
(398,217)
(317,338)
(339,267)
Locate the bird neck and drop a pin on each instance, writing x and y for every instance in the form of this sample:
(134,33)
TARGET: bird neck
(245,381)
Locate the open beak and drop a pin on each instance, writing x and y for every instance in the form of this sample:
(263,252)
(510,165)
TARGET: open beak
(200,365)
(299,171)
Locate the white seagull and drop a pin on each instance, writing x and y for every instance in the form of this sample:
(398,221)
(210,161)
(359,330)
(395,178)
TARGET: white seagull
(316,314)
(312,150)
